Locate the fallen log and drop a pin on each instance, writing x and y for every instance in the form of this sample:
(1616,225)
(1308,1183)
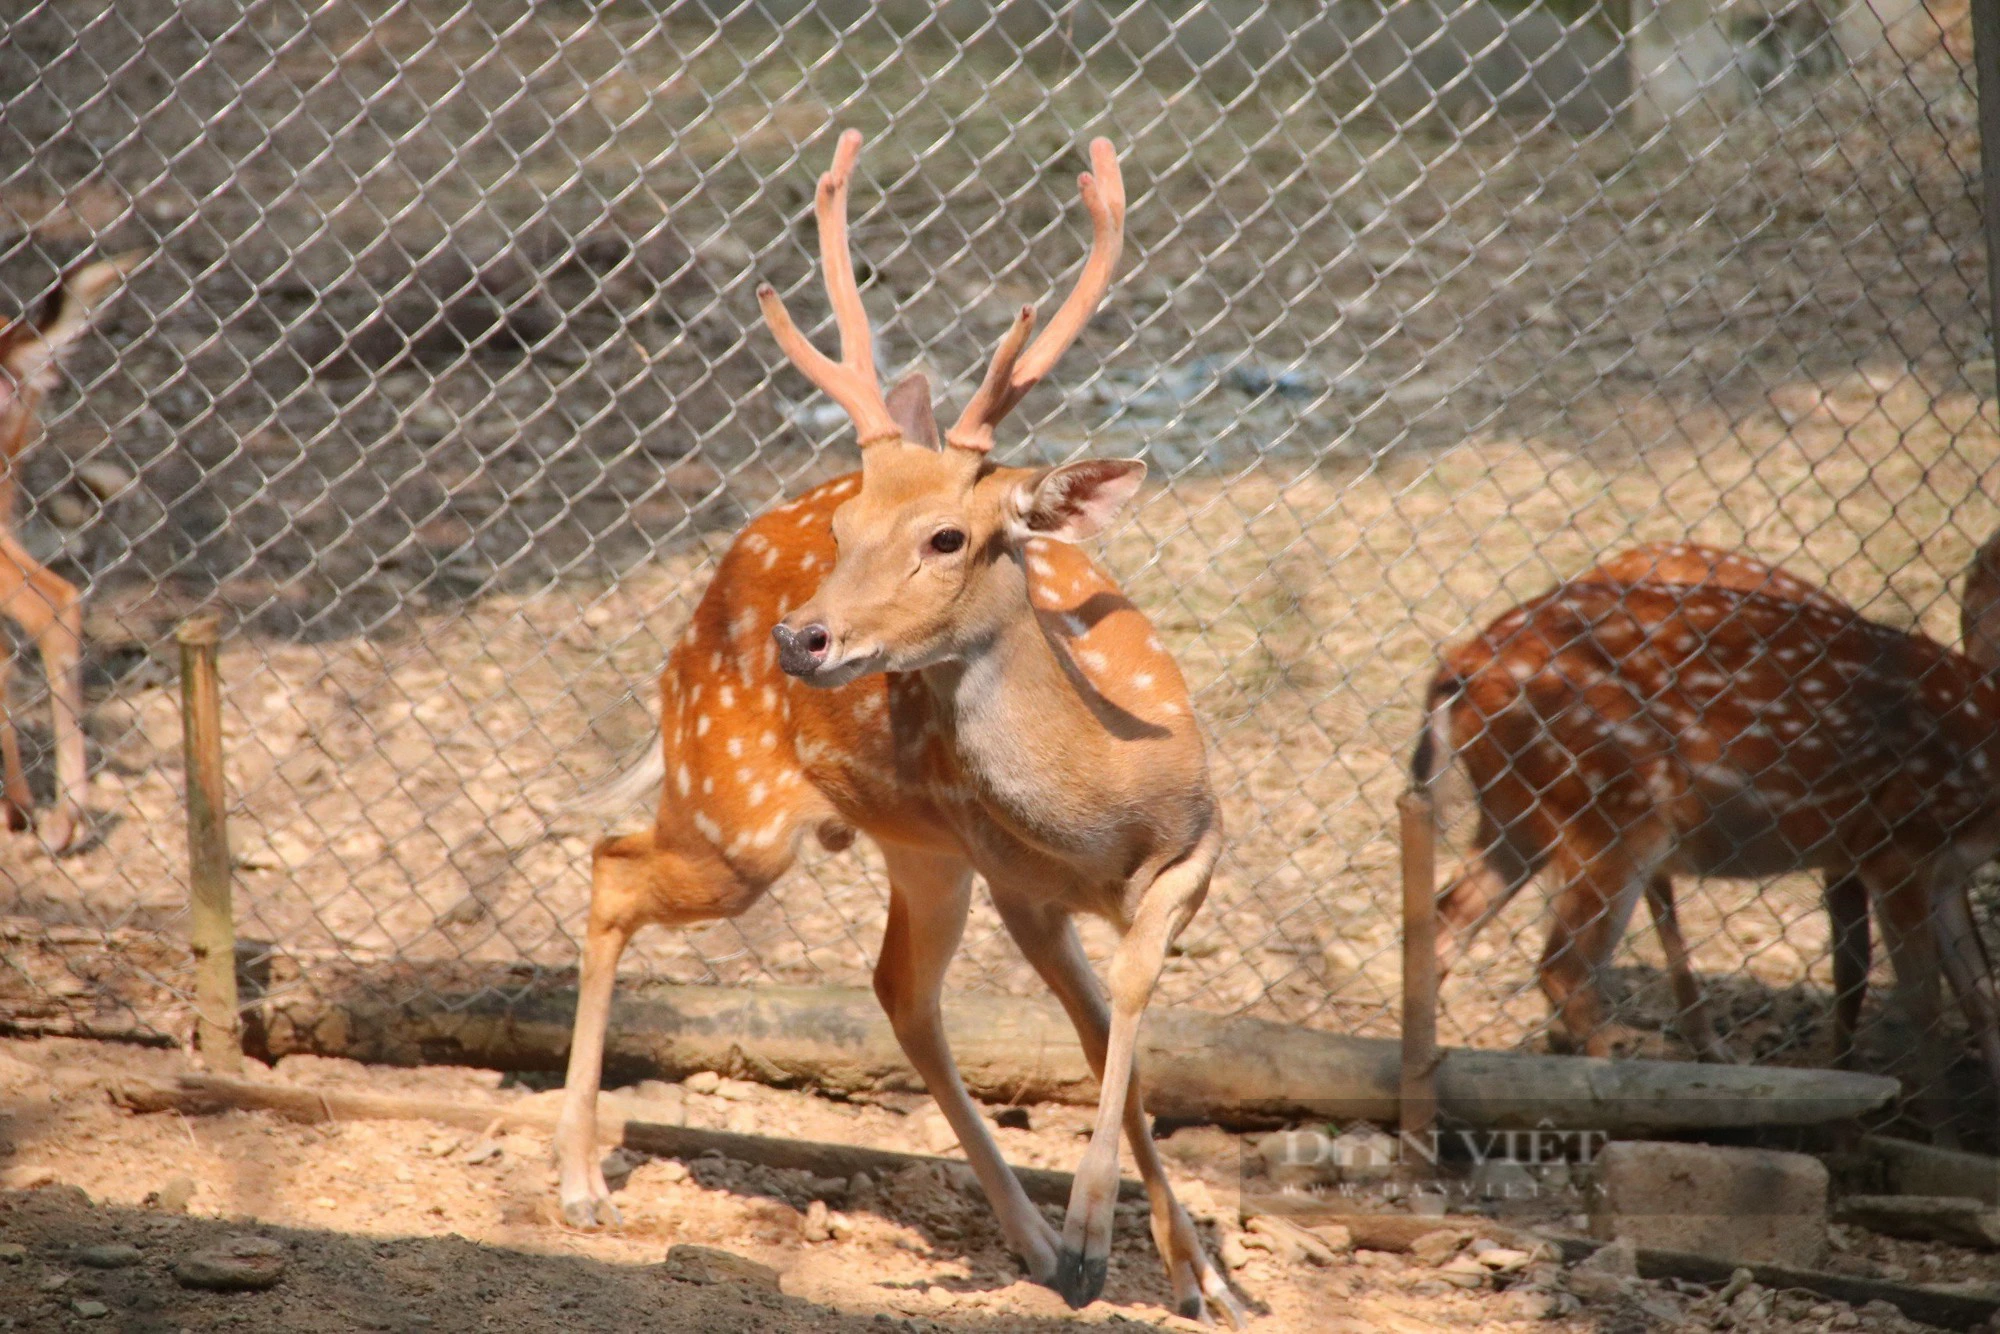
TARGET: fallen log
(205,1095)
(1013,1050)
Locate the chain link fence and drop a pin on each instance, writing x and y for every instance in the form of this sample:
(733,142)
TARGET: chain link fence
(443,377)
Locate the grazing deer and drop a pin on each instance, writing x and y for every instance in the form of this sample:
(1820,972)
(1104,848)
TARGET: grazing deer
(1681,710)
(45,606)
(920,653)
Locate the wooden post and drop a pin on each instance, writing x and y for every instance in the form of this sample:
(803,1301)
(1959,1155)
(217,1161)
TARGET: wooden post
(1986,61)
(1418,1104)
(212,918)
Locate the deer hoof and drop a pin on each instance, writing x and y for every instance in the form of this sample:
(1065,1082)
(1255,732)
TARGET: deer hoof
(61,829)
(590,1214)
(1080,1278)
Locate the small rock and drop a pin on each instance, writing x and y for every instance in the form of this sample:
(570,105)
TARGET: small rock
(839,1227)
(702,1081)
(619,1164)
(103,477)
(1620,1259)
(1503,1179)
(860,1190)
(1293,1240)
(1296,1158)
(1594,1286)
(12,1252)
(89,1310)
(1503,1259)
(1739,1280)
(1530,1304)
(1233,1253)
(113,1255)
(1334,1236)
(240,1264)
(443,1146)
(672,1170)
(1012,1118)
(1278,1248)
(27,1177)
(1364,1154)
(658,1090)
(51,1282)
(737,1090)
(1753,1303)
(485,1151)
(1464,1272)
(174,1196)
(817,1224)
(1434,1248)
(68,511)
(710,1264)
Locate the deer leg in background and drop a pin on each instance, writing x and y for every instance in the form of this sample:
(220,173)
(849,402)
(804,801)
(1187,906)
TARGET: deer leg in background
(1965,963)
(1696,1023)
(1588,917)
(1164,908)
(1492,876)
(1911,936)
(1847,913)
(1048,940)
(47,608)
(929,894)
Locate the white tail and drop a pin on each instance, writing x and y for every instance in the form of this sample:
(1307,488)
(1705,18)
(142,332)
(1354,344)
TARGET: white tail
(920,653)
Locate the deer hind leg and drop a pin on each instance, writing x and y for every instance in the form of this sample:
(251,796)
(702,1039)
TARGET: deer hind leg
(1910,932)
(1847,915)
(1047,937)
(928,897)
(1696,1022)
(18,803)
(1164,907)
(49,610)
(1493,875)
(1590,913)
(635,880)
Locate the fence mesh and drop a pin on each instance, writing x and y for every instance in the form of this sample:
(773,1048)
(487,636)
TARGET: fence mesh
(442,375)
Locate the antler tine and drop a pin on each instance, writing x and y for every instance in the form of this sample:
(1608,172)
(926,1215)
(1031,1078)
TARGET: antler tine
(1014,372)
(851,381)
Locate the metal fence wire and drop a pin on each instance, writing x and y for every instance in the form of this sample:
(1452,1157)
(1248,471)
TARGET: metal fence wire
(442,376)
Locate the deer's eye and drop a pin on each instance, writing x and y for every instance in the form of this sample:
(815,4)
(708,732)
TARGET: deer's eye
(947,540)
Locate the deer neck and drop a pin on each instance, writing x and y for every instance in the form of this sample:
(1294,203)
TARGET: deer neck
(1011,702)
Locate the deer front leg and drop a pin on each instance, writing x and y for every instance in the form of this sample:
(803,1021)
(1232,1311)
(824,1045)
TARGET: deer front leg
(1697,1024)
(928,897)
(1164,908)
(1048,939)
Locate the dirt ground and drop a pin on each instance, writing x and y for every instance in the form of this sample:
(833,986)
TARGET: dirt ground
(409,1226)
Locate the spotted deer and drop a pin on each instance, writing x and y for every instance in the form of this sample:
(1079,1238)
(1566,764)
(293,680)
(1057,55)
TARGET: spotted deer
(46,606)
(1686,711)
(921,653)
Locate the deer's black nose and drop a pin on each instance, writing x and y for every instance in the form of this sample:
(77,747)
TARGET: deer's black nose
(800,652)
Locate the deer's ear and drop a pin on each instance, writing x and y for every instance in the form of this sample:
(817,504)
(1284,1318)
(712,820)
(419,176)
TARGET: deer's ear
(910,405)
(1076,501)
